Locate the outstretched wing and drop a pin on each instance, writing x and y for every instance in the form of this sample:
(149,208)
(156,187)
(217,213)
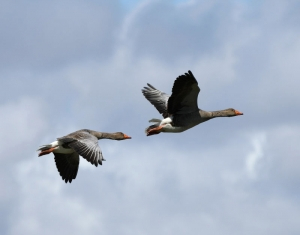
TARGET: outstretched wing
(85,144)
(67,165)
(157,98)
(184,95)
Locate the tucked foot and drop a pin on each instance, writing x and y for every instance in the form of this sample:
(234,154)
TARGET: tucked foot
(47,151)
(154,131)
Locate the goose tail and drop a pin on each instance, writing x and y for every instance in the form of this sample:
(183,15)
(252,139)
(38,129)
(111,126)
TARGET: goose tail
(47,148)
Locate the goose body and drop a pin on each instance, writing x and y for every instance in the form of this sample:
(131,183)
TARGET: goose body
(84,142)
(180,110)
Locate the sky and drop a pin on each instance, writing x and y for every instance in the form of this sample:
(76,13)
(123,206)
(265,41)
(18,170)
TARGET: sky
(68,65)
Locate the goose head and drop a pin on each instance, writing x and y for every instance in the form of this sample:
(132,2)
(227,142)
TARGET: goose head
(120,136)
(226,113)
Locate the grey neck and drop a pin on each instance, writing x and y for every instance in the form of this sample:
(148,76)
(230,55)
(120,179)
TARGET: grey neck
(108,136)
(206,114)
(103,135)
(219,113)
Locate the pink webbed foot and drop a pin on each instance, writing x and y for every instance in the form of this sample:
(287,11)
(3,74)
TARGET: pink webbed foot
(47,151)
(154,131)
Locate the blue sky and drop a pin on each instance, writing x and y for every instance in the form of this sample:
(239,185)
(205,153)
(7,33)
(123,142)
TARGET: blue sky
(129,5)
(70,65)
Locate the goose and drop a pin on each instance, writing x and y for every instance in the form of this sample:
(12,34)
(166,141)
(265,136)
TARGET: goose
(83,142)
(180,110)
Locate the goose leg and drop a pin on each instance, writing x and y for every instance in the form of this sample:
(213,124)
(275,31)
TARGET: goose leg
(47,151)
(154,131)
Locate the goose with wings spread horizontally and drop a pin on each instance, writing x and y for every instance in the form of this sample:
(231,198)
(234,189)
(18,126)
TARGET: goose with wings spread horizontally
(180,110)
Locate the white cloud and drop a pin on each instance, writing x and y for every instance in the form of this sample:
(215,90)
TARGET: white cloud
(255,156)
(151,188)
(21,122)
(44,206)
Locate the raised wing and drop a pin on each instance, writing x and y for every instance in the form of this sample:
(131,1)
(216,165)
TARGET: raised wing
(184,95)
(85,144)
(67,165)
(157,98)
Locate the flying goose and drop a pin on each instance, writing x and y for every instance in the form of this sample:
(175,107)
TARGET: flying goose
(84,142)
(180,110)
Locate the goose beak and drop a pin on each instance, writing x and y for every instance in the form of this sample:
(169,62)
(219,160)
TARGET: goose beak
(238,113)
(126,136)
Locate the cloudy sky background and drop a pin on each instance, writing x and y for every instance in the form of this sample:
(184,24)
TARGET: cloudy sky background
(68,65)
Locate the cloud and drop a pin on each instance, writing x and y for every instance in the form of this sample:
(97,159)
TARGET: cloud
(142,191)
(56,33)
(71,211)
(21,124)
(255,156)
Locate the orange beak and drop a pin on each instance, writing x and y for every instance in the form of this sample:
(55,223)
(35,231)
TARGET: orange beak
(238,113)
(126,136)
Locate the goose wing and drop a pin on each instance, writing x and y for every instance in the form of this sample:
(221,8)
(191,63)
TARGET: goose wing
(67,165)
(184,95)
(85,144)
(157,98)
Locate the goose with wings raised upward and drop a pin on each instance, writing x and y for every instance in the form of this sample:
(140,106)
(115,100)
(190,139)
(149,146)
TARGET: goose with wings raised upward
(84,142)
(180,110)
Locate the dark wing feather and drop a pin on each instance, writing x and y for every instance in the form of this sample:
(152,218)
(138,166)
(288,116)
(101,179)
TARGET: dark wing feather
(184,95)
(157,98)
(85,144)
(67,165)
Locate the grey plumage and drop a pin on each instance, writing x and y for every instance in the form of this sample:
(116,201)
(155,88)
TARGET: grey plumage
(157,98)
(85,144)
